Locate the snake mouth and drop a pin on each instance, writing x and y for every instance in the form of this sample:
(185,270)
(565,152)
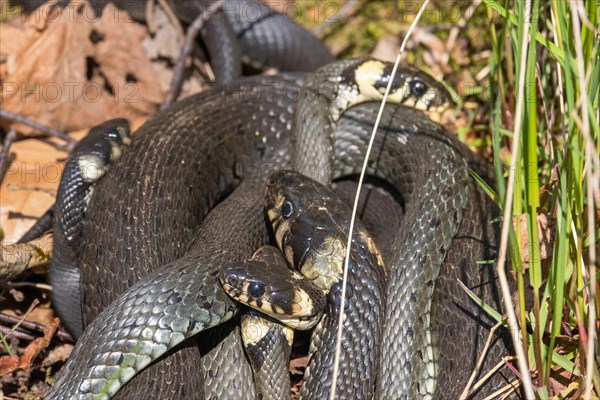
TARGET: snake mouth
(301,313)
(266,284)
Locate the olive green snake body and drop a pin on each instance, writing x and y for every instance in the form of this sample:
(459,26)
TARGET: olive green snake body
(183,298)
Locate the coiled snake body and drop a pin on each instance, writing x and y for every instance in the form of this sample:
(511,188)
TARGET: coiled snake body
(183,298)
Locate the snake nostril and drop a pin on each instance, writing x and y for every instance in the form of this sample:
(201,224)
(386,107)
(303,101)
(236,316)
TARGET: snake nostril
(227,278)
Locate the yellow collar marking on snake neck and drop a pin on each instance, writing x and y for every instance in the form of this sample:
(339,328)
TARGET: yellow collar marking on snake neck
(254,329)
(366,77)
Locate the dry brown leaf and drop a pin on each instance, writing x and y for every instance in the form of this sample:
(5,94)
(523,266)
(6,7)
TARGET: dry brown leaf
(163,47)
(9,364)
(59,353)
(42,314)
(545,236)
(298,365)
(71,71)
(165,42)
(124,63)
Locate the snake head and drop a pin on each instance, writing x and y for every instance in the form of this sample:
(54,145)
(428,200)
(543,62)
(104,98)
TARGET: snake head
(309,223)
(265,283)
(367,81)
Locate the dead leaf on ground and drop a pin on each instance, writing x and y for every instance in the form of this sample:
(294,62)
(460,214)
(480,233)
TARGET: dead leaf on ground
(58,354)
(298,365)
(70,71)
(163,47)
(9,364)
(545,237)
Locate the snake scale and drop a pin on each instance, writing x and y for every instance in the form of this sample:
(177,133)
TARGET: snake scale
(184,289)
(175,376)
(236,130)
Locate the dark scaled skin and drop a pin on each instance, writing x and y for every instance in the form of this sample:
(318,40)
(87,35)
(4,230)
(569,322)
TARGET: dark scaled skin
(462,327)
(269,356)
(404,176)
(306,216)
(88,162)
(173,178)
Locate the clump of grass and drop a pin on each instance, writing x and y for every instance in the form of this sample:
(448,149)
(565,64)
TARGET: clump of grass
(557,151)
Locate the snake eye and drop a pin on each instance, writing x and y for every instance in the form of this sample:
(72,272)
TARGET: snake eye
(256,289)
(287,209)
(418,88)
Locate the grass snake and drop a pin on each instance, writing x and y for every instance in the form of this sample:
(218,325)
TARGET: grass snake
(183,298)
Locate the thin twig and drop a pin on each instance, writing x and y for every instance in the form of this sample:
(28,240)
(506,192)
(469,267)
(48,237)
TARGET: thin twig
(489,374)
(507,220)
(42,225)
(31,188)
(18,333)
(466,392)
(188,45)
(36,125)
(338,347)
(62,334)
(20,321)
(40,286)
(512,386)
(4,155)
(149,15)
